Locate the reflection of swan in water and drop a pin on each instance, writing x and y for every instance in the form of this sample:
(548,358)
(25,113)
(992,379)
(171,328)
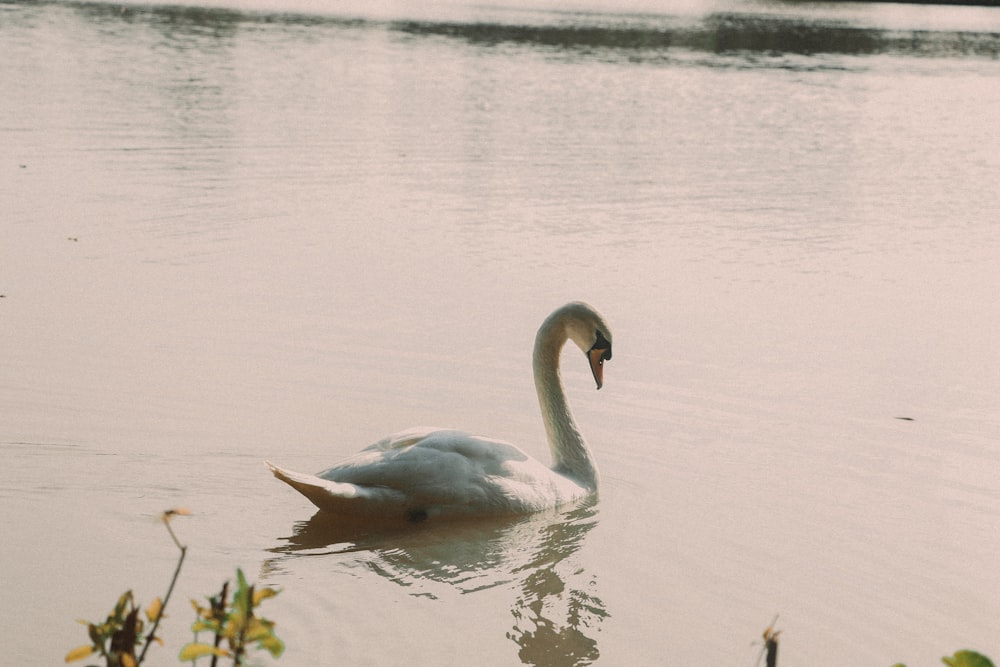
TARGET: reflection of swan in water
(556,613)
(558,608)
(424,473)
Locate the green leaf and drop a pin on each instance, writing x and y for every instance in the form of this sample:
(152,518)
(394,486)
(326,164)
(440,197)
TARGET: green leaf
(967,659)
(241,581)
(241,599)
(119,613)
(194,651)
(95,634)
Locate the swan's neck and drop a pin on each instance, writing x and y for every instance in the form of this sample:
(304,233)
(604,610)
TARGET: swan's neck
(570,455)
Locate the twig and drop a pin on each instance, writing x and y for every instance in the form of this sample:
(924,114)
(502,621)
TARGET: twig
(218,609)
(771,643)
(166,522)
(170,589)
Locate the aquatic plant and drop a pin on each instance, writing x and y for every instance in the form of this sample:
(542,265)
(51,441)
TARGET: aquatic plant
(233,623)
(967,659)
(960,659)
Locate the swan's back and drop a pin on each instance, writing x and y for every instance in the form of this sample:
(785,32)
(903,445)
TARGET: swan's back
(421,473)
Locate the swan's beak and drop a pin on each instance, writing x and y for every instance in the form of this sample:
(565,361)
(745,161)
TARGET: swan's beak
(596,359)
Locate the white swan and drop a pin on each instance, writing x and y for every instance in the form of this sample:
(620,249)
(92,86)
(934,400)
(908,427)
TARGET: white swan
(425,472)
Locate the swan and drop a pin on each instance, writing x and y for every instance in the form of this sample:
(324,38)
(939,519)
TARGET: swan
(423,473)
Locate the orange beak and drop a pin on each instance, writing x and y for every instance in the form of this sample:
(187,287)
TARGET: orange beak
(596,359)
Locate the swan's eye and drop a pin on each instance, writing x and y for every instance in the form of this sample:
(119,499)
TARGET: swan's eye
(602,344)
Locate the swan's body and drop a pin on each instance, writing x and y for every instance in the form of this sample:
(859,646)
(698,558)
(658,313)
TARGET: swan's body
(427,472)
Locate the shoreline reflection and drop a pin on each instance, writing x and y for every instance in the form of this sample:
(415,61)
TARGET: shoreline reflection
(736,30)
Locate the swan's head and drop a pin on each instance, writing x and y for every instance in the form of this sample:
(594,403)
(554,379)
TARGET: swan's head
(586,328)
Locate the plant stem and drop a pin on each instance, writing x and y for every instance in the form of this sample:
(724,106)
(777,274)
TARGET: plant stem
(166,598)
(166,522)
(219,610)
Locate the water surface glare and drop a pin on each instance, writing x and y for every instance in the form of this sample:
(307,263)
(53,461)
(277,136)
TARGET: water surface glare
(275,231)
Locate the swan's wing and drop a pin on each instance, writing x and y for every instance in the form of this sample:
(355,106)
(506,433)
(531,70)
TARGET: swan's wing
(427,458)
(340,496)
(455,470)
(410,436)
(406,472)
(422,472)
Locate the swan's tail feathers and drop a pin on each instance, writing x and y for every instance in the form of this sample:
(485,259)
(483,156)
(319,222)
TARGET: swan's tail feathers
(339,497)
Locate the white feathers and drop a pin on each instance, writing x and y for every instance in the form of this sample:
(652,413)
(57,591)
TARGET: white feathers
(427,472)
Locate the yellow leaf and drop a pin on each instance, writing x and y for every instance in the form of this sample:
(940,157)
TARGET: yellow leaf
(128,661)
(198,609)
(195,651)
(231,630)
(273,645)
(257,630)
(79,653)
(154,609)
(263,594)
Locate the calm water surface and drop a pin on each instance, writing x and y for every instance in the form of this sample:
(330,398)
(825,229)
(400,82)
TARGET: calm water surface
(267,231)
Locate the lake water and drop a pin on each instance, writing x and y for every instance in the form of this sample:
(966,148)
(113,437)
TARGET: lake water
(284,231)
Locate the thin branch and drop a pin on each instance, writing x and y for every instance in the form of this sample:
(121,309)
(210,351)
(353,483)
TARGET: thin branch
(166,522)
(173,580)
(219,610)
